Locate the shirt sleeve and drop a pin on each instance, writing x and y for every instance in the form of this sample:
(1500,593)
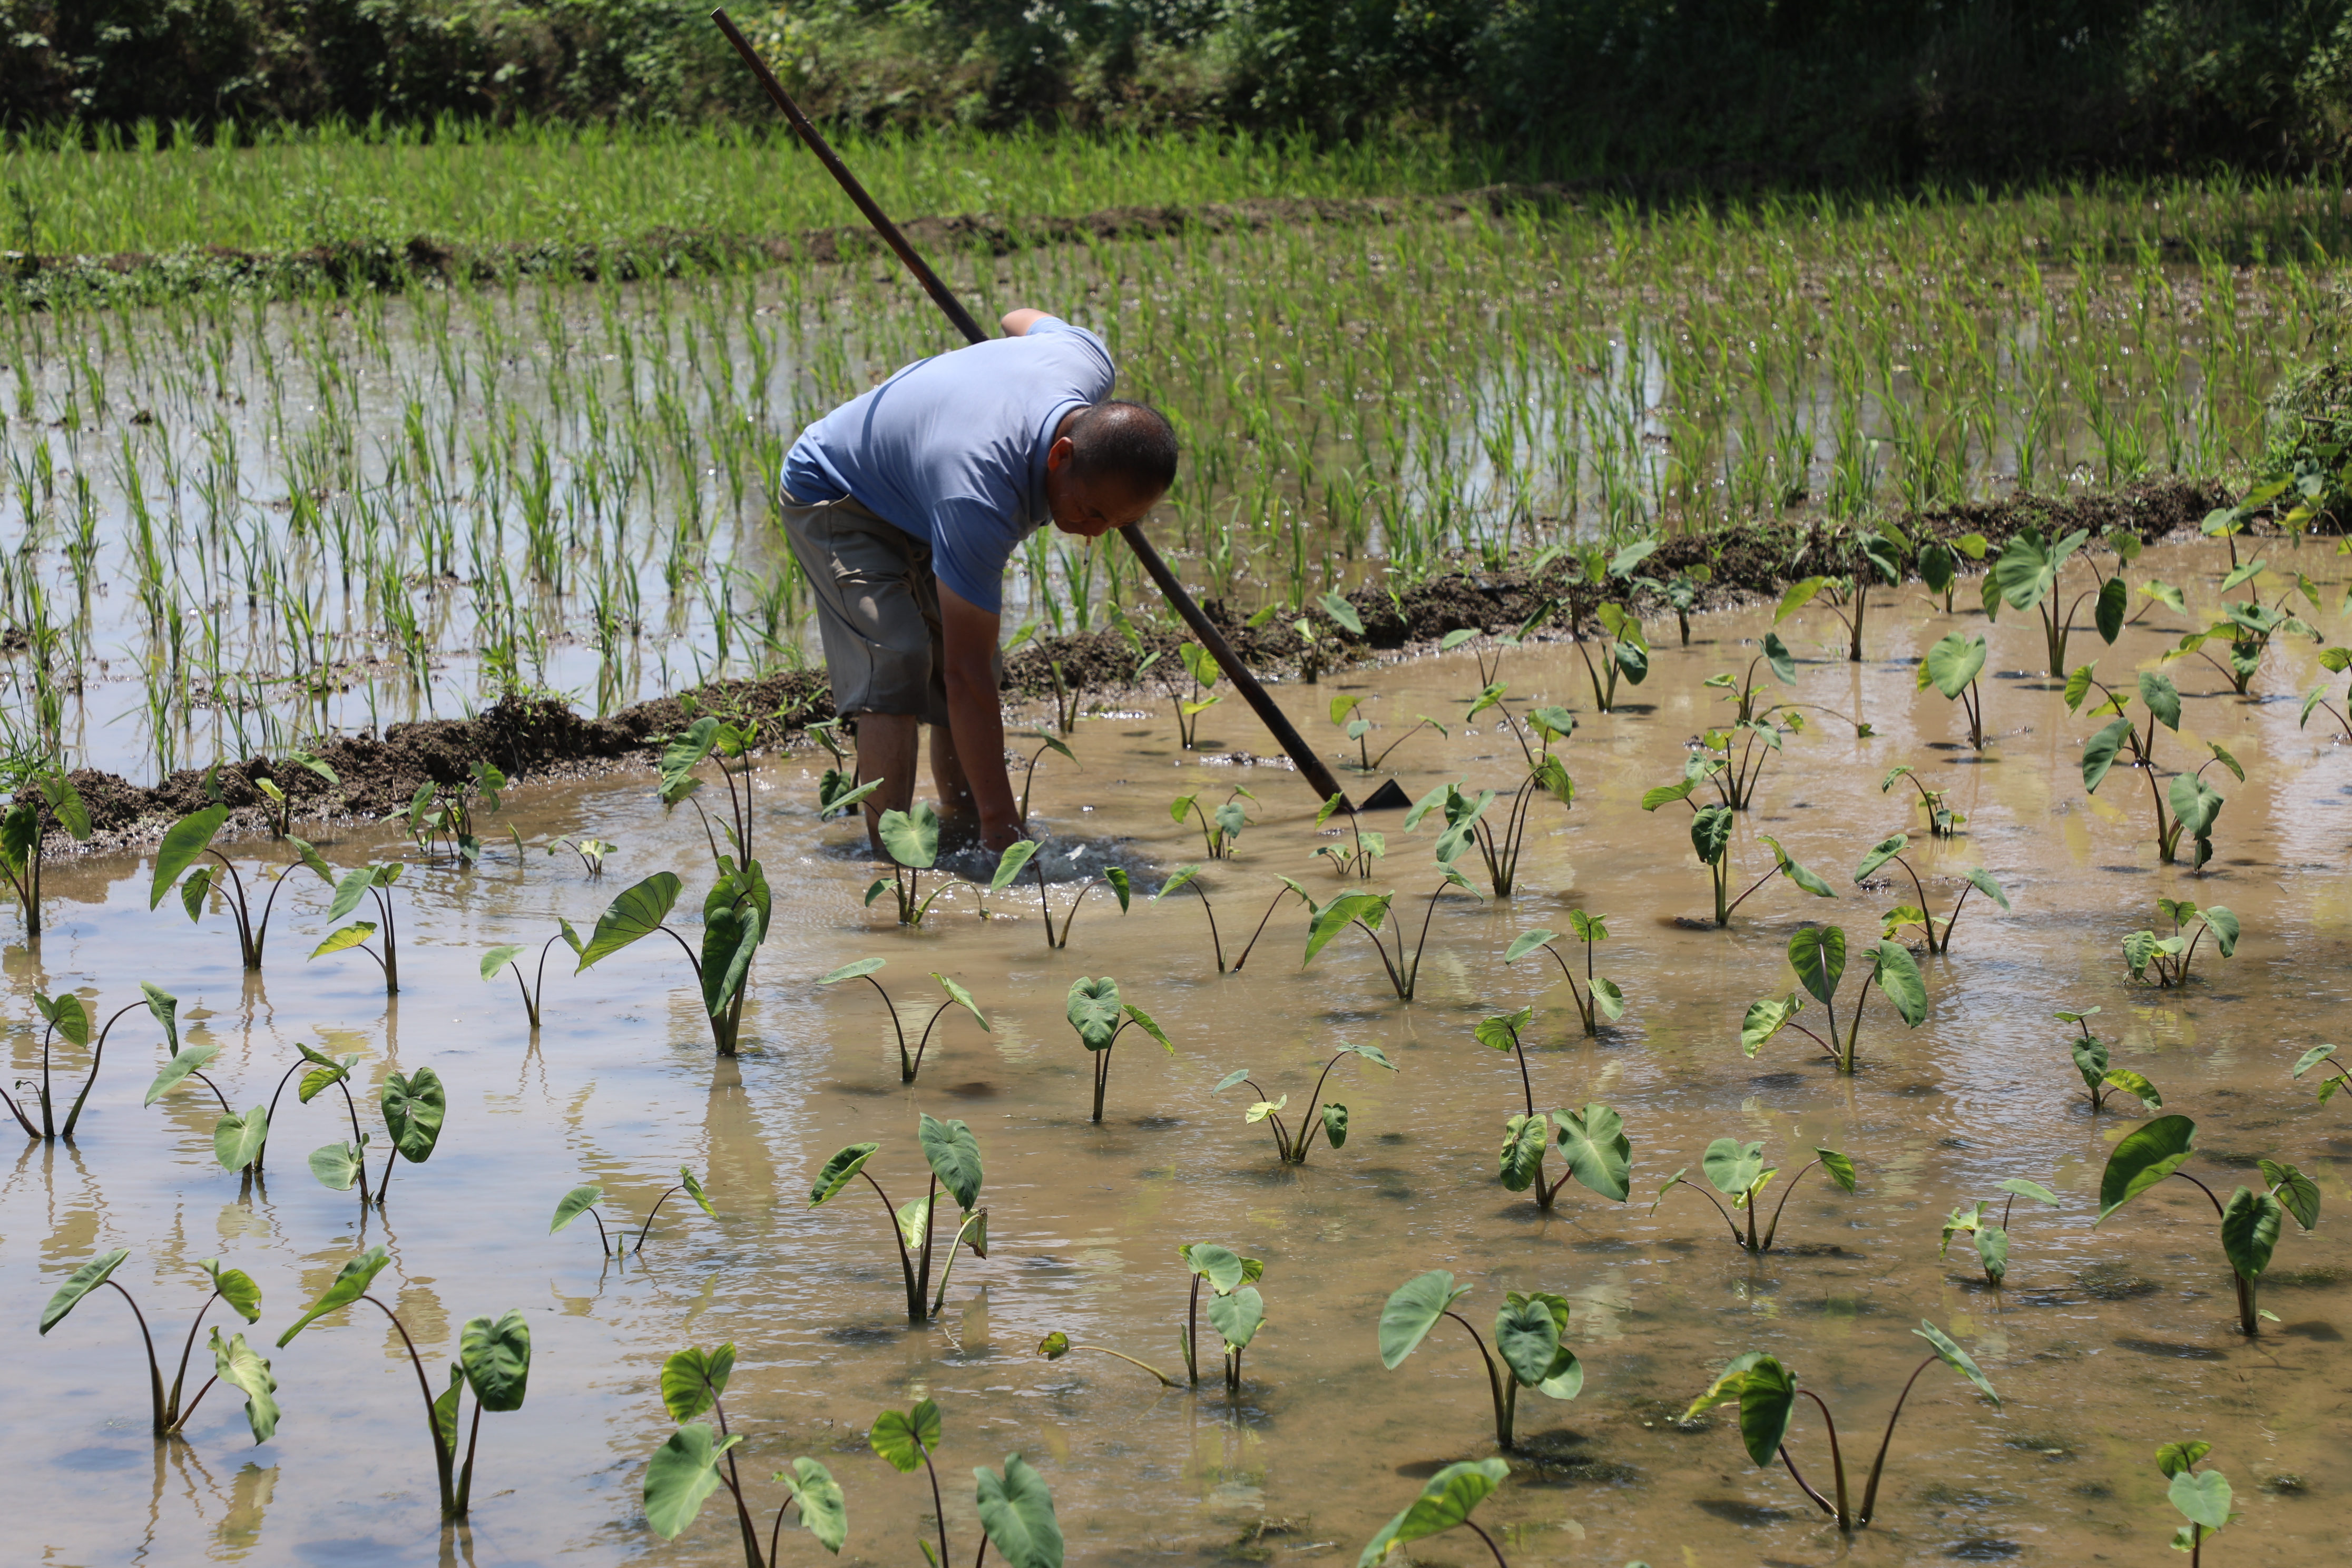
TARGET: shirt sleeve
(1105,372)
(971,540)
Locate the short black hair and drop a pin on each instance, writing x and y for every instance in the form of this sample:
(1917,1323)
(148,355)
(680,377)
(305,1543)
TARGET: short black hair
(1129,439)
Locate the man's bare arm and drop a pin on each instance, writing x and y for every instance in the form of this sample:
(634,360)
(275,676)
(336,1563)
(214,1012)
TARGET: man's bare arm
(975,716)
(1016,324)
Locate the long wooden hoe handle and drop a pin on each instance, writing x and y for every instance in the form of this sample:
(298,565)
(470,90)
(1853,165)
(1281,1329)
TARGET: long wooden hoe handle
(1310,766)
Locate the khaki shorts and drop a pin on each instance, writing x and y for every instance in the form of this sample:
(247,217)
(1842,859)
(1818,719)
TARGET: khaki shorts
(878,608)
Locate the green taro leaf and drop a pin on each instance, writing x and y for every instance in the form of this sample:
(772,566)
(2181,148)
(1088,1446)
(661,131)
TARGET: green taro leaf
(1525,1139)
(2298,1193)
(178,1068)
(2174,1457)
(1011,863)
(2203,1497)
(961,998)
(1982,879)
(1223,1269)
(637,913)
(912,839)
(1885,849)
(498,958)
(1527,1334)
(684,752)
(236,1286)
(1445,1500)
(348,892)
(1993,1251)
(1767,1398)
(345,938)
(2250,1222)
(1598,1153)
(1896,972)
(730,938)
(81,1283)
(1797,596)
(692,1378)
(683,1474)
(853,970)
(1953,1356)
(351,1283)
(246,1370)
(686,1179)
(840,1171)
(1765,1018)
(1095,1011)
(2145,1156)
(1017,1511)
(1236,1317)
(1413,1310)
(192,891)
(1710,833)
(1733,1168)
(2162,696)
(2099,753)
(2034,1190)
(1839,1168)
(496,1358)
(1818,955)
(903,1436)
(574,1204)
(1954,662)
(1796,873)
(1149,1025)
(337,1166)
(2131,1083)
(238,1137)
(413,1108)
(184,842)
(954,1156)
(1334,1125)
(1611,999)
(824,1512)
(2224,925)
(1500,1031)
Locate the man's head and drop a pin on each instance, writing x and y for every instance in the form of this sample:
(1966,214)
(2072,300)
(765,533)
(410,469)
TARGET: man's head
(1108,465)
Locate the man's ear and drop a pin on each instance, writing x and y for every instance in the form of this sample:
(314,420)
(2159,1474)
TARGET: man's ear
(1058,455)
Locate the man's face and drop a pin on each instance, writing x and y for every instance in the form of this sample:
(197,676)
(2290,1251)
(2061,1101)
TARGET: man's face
(1091,508)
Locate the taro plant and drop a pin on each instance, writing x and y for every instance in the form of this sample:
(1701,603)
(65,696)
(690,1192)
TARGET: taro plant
(1190,876)
(2247,625)
(584,1200)
(1346,713)
(957,997)
(509,955)
(2026,575)
(1903,916)
(1045,743)
(1940,564)
(2168,957)
(1710,836)
(911,839)
(1528,1330)
(1600,996)
(444,813)
(1201,674)
(1951,667)
(2100,1078)
(1368,913)
(1625,652)
(1975,1221)
(1016,1516)
(953,1155)
(1356,856)
(592,853)
(1226,1272)
(1593,1140)
(1737,1171)
(2202,1497)
(735,914)
(235,1363)
(2251,1220)
(1099,1014)
(1818,954)
(906,1439)
(1943,822)
(413,1105)
(1848,597)
(1680,593)
(696,1461)
(1023,852)
(2333,1079)
(728,745)
(65,1015)
(189,840)
(1447,1497)
(372,881)
(1499,845)
(2194,802)
(493,1360)
(1766,1393)
(24,826)
(1221,826)
(2336,661)
(1329,1120)
(1742,690)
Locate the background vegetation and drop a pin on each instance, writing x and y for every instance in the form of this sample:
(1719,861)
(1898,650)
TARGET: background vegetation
(1841,89)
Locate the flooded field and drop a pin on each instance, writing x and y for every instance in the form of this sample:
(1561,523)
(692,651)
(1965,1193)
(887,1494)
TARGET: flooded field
(2103,1343)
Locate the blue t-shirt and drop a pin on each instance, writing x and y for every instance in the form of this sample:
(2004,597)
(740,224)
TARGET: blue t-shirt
(952,450)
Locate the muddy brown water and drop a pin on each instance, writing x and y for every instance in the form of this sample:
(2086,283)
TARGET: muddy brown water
(2105,1342)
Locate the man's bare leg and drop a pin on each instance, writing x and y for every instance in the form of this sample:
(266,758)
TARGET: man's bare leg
(886,751)
(947,777)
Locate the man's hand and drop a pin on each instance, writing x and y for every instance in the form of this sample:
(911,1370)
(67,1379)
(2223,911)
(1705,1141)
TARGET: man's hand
(975,716)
